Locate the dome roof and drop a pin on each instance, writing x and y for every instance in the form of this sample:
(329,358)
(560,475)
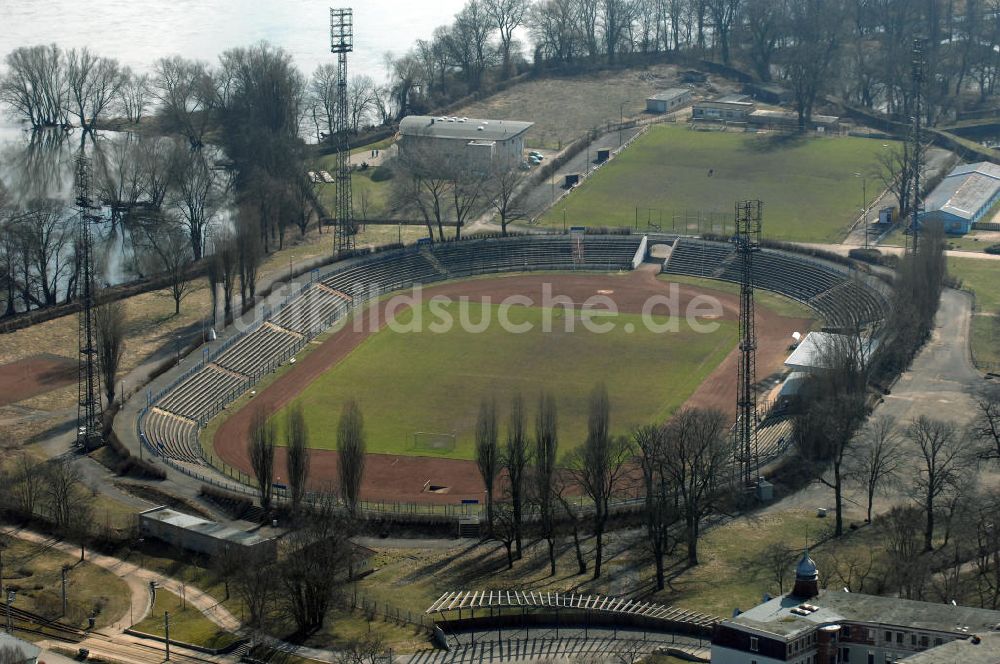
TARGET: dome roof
(806,569)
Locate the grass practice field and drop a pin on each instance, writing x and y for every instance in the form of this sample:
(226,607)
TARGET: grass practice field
(808,185)
(433,382)
(979,276)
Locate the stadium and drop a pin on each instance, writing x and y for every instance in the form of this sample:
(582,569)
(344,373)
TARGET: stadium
(418,392)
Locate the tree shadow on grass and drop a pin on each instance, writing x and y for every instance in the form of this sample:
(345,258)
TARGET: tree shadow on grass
(775,142)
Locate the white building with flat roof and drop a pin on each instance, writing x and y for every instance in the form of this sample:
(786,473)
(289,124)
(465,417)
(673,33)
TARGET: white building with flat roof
(478,144)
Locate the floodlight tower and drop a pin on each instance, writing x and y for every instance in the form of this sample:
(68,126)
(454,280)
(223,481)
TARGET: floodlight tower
(917,80)
(747,241)
(342,43)
(88,420)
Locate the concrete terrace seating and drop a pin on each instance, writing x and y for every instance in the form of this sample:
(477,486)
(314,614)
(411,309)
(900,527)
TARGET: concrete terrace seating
(200,395)
(537,253)
(381,274)
(196,395)
(173,436)
(310,311)
(254,352)
(827,288)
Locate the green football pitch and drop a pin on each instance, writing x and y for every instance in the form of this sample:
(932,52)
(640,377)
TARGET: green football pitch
(408,382)
(808,184)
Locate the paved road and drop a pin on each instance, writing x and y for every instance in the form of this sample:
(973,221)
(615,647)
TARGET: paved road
(843,249)
(541,196)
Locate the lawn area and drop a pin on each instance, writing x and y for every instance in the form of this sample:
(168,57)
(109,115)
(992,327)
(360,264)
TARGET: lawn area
(808,185)
(35,573)
(732,571)
(187,624)
(980,277)
(563,108)
(433,382)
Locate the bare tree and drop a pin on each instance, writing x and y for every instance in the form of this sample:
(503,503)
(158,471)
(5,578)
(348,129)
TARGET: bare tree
(93,83)
(488,453)
(170,254)
(815,33)
(226,260)
(187,96)
(196,198)
(562,484)
(322,96)
(255,580)
(318,564)
(695,454)
(360,97)
(261,452)
(901,538)
(134,95)
(764,27)
(351,447)
(28,483)
(878,460)
(515,461)
(661,512)
(109,324)
(424,181)
(35,85)
(502,186)
(366,649)
(248,258)
(776,562)
(986,427)
(599,465)
(724,15)
(297,454)
(508,16)
(63,491)
(545,469)
(947,458)
(505,529)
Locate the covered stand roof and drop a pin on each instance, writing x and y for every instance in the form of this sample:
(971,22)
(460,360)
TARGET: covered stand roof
(503,599)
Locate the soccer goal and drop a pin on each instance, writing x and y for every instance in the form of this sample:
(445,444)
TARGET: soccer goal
(433,442)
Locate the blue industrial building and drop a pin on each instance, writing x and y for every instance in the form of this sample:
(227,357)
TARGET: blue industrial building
(964,197)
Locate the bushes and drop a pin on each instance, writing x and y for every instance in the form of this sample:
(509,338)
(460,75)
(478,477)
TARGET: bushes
(235,504)
(993,249)
(130,465)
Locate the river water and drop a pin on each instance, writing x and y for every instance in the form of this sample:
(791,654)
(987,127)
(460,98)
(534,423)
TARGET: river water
(138,33)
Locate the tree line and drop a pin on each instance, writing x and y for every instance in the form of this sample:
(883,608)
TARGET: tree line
(858,50)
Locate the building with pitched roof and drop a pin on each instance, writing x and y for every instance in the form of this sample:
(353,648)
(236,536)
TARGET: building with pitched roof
(963,197)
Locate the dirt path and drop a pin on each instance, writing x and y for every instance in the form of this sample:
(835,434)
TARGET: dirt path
(391,477)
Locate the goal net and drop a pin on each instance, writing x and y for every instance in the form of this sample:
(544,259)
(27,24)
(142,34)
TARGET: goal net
(434,442)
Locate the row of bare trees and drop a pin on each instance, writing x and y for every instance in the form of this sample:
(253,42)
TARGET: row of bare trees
(46,85)
(442,190)
(263,441)
(681,466)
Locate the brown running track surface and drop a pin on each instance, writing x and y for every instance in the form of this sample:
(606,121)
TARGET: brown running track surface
(34,375)
(391,477)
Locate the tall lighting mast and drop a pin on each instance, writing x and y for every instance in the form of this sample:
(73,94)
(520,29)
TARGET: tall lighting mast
(342,43)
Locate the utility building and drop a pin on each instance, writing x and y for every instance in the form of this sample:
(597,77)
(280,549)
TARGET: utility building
(812,626)
(200,535)
(668,101)
(481,145)
(728,108)
(963,198)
